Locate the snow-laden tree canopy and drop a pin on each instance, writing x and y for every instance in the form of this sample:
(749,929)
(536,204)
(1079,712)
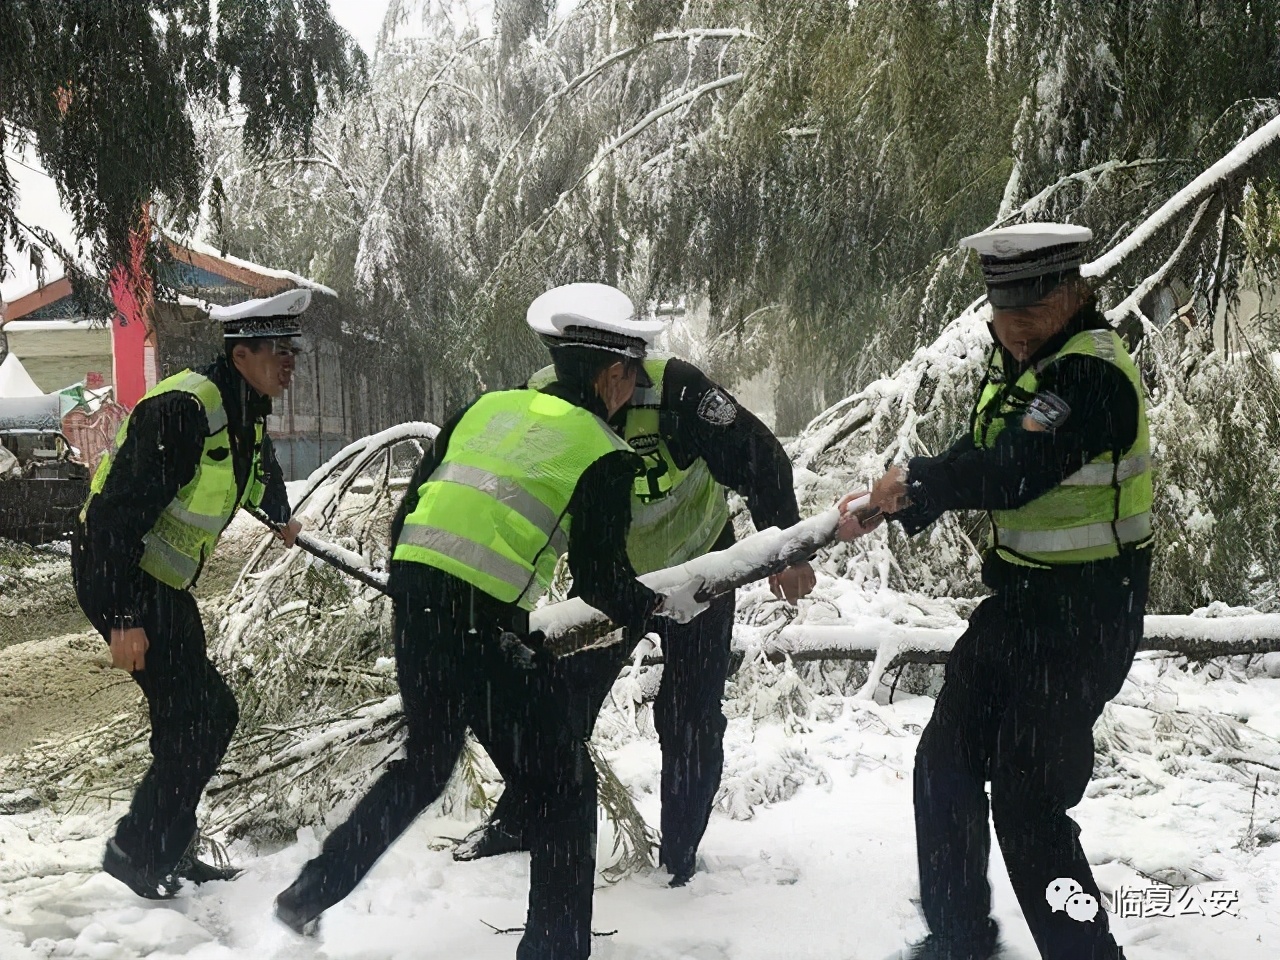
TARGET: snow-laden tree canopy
(796,172)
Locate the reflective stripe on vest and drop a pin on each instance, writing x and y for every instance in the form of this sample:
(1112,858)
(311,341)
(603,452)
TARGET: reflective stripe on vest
(511,493)
(1095,512)
(1104,474)
(494,512)
(676,514)
(474,555)
(1129,530)
(187,530)
(172,563)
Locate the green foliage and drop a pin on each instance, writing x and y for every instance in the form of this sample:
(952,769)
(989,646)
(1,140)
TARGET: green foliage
(112,92)
(828,188)
(825,199)
(1216,421)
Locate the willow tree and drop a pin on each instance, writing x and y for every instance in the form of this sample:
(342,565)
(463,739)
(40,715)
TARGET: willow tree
(110,96)
(799,169)
(821,209)
(481,167)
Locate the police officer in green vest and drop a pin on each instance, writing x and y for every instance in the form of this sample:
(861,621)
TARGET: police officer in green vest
(696,440)
(193,450)
(1058,454)
(513,482)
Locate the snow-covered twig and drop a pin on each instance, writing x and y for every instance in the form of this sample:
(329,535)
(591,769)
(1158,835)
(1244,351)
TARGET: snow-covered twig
(1033,206)
(321,161)
(553,103)
(535,229)
(434,82)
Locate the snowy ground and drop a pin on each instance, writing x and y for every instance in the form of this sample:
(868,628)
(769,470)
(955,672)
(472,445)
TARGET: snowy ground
(827,873)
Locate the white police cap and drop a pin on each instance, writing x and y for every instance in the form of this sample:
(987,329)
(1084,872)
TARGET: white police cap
(592,315)
(1023,263)
(265,317)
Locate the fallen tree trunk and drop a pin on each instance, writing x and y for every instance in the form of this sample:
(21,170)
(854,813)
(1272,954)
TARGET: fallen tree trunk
(1198,638)
(572,625)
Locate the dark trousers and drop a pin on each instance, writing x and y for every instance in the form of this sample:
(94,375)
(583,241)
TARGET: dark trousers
(193,715)
(1022,690)
(453,674)
(687,714)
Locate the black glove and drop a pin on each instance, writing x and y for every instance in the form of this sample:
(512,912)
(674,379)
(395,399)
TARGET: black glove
(528,653)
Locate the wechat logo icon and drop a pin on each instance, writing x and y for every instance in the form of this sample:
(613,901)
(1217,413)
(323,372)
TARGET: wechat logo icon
(1065,894)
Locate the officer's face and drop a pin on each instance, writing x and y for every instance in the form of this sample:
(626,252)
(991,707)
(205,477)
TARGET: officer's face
(1024,330)
(269,368)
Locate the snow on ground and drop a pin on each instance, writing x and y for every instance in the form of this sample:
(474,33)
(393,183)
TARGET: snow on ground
(828,873)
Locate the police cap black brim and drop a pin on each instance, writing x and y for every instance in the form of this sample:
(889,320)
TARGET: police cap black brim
(257,328)
(1025,293)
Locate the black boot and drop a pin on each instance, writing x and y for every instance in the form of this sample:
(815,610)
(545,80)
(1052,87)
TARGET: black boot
(489,840)
(980,944)
(300,906)
(682,866)
(141,881)
(190,867)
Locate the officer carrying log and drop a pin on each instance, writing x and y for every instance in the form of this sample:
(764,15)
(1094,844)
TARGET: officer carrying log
(696,440)
(513,482)
(1058,453)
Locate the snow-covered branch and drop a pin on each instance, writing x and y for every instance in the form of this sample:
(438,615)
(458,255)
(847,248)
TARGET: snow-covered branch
(329,164)
(665,109)
(572,624)
(1130,303)
(1031,209)
(435,81)
(1259,143)
(553,103)
(255,603)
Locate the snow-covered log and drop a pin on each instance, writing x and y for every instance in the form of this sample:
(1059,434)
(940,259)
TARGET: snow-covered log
(572,625)
(888,645)
(1189,636)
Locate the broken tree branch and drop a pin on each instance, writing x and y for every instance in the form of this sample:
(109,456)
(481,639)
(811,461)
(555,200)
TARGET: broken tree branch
(1258,144)
(573,625)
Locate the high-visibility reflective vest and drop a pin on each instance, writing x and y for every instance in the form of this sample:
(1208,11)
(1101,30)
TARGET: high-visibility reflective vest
(676,514)
(1103,507)
(175,548)
(495,511)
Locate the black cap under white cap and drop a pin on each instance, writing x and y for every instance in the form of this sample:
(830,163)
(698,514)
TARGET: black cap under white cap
(592,315)
(276,316)
(1022,264)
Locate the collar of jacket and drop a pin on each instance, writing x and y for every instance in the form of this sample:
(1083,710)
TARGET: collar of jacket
(580,395)
(1086,318)
(244,404)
